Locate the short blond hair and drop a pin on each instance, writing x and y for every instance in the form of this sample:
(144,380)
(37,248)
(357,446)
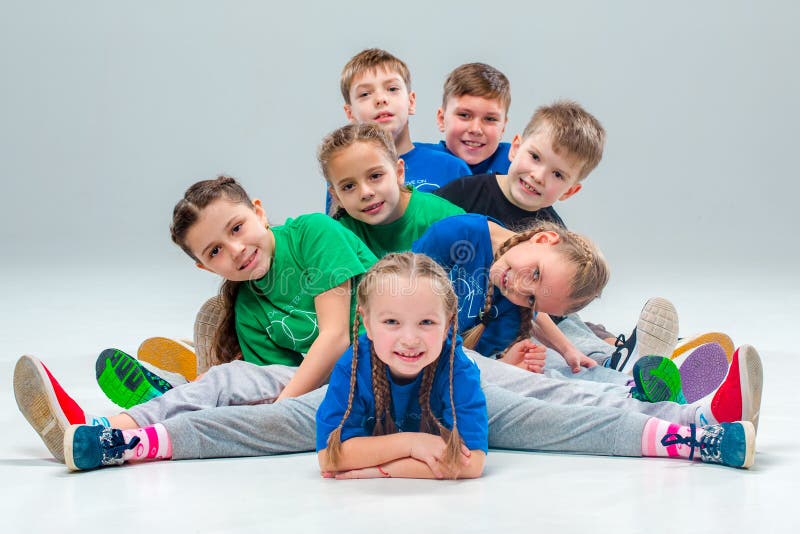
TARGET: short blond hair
(572,129)
(370,60)
(477,79)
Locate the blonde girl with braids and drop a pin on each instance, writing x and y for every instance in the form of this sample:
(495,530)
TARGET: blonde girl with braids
(404,401)
(365,180)
(507,283)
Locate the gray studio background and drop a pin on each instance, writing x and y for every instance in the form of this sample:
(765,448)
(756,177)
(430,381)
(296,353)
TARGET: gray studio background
(109,110)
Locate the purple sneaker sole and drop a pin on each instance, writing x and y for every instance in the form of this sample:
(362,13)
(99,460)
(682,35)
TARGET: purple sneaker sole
(703,371)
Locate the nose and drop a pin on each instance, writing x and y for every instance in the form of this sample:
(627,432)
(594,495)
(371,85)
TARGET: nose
(410,337)
(367,192)
(475,126)
(380,98)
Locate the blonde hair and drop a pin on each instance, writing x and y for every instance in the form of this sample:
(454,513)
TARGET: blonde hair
(414,266)
(591,276)
(572,129)
(370,60)
(477,79)
(347,136)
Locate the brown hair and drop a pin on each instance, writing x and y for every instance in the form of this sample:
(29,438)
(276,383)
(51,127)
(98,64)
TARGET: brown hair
(370,60)
(347,136)
(414,266)
(591,276)
(477,79)
(184,216)
(572,129)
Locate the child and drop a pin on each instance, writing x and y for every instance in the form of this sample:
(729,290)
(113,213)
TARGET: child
(473,117)
(365,179)
(287,288)
(376,87)
(559,147)
(408,378)
(219,417)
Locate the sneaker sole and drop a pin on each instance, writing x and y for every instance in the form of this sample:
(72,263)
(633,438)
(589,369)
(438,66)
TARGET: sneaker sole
(657,328)
(703,371)
(751,378)
(206,325)
(170,355)
(659,382)
(38,403)
(723,340)
(750,438)
(125,385)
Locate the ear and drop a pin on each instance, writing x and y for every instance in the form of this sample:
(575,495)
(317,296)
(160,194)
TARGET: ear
(440,119)
(262,216)
(400,169)
(203,267)
(548,237)
(348,112)
(412,103)
(365,321)
(333,194)
(515,144)
(571,191)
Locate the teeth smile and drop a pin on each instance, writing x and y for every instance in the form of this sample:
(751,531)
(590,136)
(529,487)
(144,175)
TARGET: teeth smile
(373,206)
(527,186)
(473,144)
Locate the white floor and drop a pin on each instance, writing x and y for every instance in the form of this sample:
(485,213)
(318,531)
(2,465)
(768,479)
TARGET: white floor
(69,323)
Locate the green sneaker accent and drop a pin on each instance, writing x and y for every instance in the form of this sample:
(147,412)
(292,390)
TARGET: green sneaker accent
(125,381)
(657,379)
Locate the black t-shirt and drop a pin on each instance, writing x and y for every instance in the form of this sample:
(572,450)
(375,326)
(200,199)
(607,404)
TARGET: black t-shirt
(482,194)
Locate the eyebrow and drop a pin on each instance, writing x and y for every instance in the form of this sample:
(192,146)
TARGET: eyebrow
(227,225)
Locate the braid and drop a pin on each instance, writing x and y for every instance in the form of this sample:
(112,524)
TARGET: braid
(384,424)
(335,438)
(225,341)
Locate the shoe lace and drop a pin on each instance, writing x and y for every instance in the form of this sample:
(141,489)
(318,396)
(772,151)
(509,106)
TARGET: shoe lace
(709,442)
(114,446)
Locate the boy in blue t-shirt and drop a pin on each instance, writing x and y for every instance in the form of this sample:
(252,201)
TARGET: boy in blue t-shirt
(376,87)
(473,117)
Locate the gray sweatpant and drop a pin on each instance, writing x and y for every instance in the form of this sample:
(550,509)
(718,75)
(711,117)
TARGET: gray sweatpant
(229,412)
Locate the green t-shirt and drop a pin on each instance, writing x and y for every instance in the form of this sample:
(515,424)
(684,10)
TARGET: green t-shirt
(275,315)
(423,210)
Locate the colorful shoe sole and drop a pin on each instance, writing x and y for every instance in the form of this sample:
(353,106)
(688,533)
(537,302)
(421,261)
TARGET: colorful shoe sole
(739,396)
(657,379)
(170,355)
(125,381)
(206,325)
(703,370)
(657,328)
(37,401)
(688,344)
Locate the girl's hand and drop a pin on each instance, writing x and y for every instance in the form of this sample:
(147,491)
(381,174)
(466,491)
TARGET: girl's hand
(576,359)
(429,449)
(367,472)
(526,355)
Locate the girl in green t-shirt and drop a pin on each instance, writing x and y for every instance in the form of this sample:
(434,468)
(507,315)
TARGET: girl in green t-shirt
(287,289)
(365,180)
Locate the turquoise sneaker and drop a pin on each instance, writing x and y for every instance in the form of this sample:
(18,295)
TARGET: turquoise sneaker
(89,447)
(657,379)
(731,444)
(125,381)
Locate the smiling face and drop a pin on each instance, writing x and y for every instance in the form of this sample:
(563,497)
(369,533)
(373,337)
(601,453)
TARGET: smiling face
(381,96)
(231,239)
(472,126)
(534,273)
(540,174)
(367,184)
(406,320)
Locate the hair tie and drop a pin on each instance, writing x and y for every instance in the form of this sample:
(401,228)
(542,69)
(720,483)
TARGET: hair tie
(484,318)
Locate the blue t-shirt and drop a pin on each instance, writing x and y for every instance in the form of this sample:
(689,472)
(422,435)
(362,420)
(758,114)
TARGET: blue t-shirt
(497,163)
(462,245)
(468,399)
(427,170)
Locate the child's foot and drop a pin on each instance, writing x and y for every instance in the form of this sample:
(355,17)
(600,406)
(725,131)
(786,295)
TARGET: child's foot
(175,356)
(90,447)
(738,398)
(731,444)
(656,334)
(657,379)
(44,404)
(702,370)
(125,381)
(689,343)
